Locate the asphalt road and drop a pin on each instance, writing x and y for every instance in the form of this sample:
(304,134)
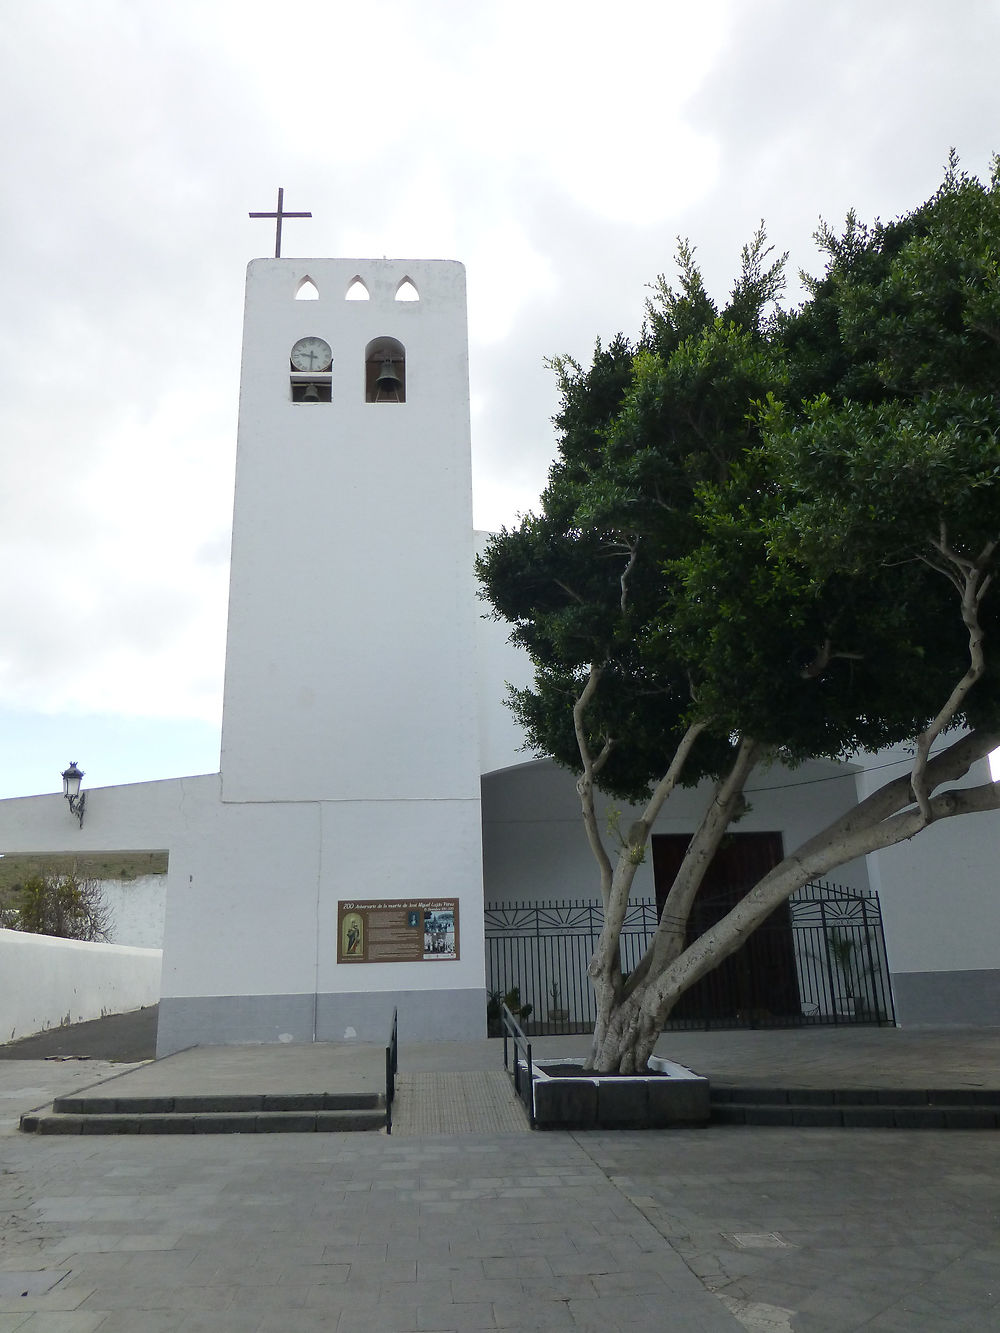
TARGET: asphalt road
(120,1037)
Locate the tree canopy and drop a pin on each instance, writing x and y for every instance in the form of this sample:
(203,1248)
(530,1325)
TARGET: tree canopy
(769,534)
(750,516)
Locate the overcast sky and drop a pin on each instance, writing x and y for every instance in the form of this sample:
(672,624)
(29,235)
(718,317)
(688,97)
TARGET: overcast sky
(557,149)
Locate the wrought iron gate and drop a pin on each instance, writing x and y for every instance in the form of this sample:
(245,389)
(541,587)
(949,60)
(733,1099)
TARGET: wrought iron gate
(820,959)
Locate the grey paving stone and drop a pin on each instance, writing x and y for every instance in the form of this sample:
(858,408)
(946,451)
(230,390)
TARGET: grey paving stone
(207,1103)
(868,1117)
(289,1122)
(306,1321)
(525,1314)
(28,1283)
(460,1316)
(172,1124)
(385,1320)
(66,1321)
(868,1214)
(223,1321)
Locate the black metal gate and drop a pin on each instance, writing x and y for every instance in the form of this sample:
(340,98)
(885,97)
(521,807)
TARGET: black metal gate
(819,960)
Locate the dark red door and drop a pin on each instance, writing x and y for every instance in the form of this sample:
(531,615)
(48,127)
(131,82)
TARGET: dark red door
(759,981)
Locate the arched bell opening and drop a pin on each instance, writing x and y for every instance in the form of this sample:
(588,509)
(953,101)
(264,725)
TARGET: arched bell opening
(385,371)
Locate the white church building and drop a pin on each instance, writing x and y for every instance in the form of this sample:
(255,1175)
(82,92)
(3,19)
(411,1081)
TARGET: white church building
(373,796)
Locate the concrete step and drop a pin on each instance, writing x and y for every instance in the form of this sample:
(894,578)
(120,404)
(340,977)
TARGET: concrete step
(265,1113)
(220,1101)
(868,1108)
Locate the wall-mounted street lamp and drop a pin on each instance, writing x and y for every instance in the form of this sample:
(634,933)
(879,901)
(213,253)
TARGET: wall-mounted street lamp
(71,790)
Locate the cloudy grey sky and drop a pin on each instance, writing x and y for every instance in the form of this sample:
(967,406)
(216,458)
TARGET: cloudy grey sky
(557,149)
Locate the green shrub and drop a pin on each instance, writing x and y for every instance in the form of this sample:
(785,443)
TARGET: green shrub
(63,905)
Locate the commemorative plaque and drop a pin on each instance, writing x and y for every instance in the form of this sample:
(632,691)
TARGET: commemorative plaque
(406,930)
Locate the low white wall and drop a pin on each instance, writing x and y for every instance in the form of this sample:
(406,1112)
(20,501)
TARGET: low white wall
(46,982)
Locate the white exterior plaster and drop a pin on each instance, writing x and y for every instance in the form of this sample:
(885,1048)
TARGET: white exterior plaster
(46,982)
(499,664)
(350,671)
(142,816)
(939,890)
(534,845)
(137,910)
(350,764)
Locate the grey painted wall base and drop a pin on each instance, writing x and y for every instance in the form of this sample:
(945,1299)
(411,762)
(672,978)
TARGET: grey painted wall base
(234,1020)
(947,999)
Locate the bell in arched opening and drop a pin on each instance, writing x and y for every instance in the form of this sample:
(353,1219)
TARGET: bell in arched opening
(385,371)
(388,385)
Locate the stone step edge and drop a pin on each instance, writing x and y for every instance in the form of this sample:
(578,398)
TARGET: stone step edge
(218,1103)
(857,1116)
(721,1094)
(232,1122)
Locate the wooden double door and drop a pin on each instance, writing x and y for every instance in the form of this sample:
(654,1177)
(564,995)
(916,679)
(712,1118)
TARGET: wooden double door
(760,981)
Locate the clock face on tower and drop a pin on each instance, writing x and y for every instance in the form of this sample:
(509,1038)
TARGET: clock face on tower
(311,354)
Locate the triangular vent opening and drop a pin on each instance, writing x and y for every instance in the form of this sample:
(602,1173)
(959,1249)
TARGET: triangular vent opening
(307,290)
(357,291)
(406,291)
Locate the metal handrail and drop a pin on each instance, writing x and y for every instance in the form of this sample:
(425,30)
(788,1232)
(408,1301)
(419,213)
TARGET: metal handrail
(391,1065)
(526,1091)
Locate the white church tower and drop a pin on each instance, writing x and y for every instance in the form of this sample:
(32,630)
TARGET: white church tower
(340,871)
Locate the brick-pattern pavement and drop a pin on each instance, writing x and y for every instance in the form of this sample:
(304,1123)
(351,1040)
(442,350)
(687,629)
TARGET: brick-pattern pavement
(451,1103)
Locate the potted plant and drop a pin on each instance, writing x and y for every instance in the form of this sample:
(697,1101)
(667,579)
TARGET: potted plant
(494,1004)
(556,1014)
(844,952)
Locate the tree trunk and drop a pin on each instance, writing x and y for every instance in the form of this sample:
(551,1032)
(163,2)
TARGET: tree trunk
(628,1035)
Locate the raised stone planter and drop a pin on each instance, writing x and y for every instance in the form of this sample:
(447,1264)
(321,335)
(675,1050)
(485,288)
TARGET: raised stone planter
(565,1099)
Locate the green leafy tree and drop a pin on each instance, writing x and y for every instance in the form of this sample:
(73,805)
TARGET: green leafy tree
(769,536)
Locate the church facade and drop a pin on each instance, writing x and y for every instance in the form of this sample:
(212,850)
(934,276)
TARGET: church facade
(373,794)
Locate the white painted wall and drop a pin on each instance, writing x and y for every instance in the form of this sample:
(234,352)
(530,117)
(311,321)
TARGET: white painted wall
(940,891)
(255,887)
(47,982)
(143,816)
(350,670)
(350,763)
(499,664)
(137,910)
(534,845)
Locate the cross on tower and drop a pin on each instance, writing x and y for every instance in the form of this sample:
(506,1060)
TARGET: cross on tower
(278,215)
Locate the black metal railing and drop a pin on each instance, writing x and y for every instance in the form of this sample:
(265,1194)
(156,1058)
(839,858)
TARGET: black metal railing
(523,1071)
(391,1065)
(819,960)
(535,947)
(842,966)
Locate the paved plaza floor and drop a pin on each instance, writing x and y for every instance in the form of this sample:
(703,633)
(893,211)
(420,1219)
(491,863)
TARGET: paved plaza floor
(466,1220)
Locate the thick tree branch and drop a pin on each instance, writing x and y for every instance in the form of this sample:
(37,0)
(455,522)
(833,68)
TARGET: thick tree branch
(633,549)
(568,591)
(815,858)
(973,584)
(823,658)
(948,765)
(605,965)
(632,853)
(668,941)
(585,782)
